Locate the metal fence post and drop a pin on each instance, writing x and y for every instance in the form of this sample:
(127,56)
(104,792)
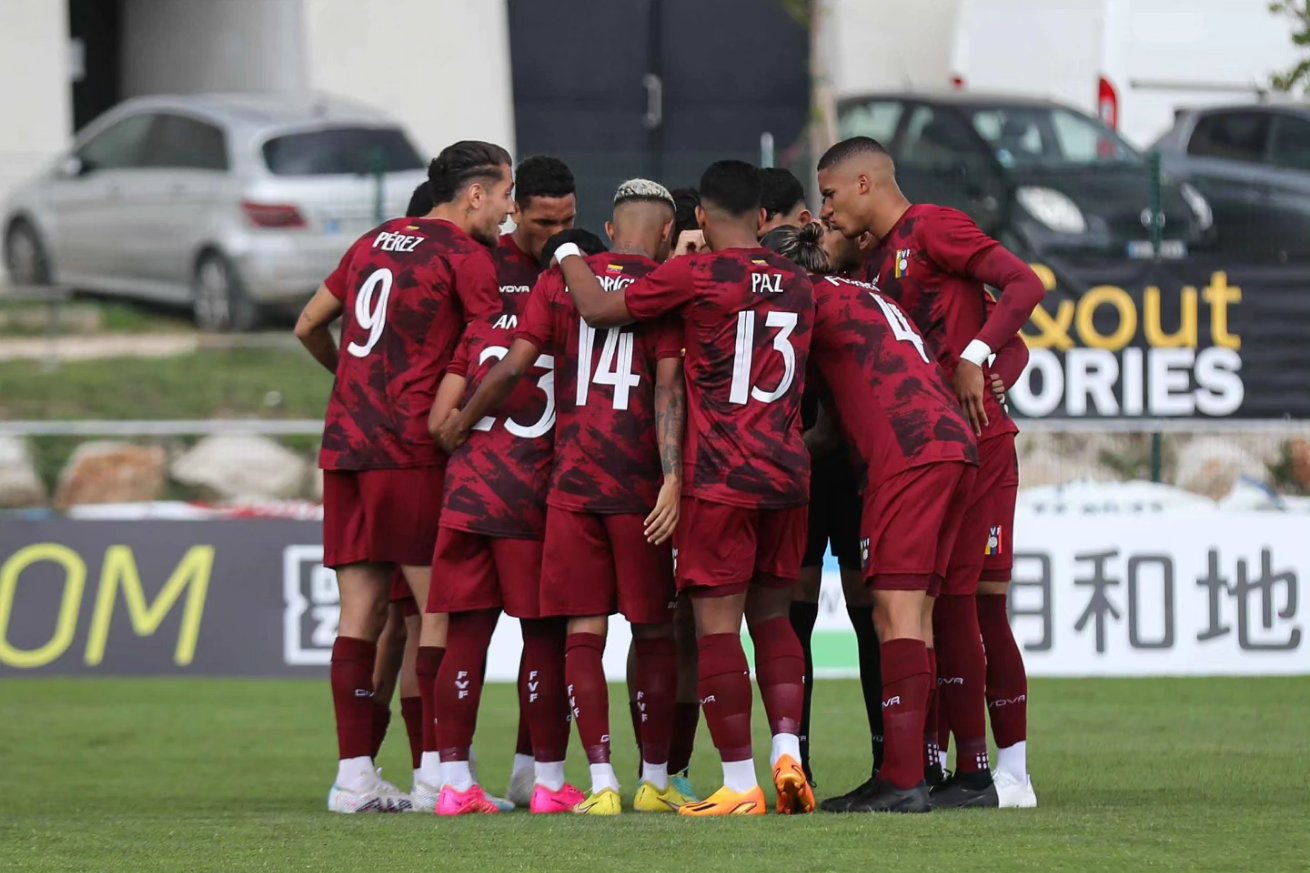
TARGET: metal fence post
(379,195)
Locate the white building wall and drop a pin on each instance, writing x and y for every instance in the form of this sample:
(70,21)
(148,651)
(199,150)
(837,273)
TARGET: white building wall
(888,45)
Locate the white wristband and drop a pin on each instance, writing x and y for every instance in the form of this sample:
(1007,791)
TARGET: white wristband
(976,352)
(568,250)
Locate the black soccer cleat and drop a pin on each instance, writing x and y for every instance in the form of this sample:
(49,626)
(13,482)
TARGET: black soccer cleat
(843,803)
(966,791)
(935,775)
(885,797)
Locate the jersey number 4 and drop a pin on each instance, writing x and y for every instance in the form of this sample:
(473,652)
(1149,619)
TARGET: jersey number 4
(371,310)
(741,389)
(614,367)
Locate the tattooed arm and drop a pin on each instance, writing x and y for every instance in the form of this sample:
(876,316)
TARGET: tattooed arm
(670,422)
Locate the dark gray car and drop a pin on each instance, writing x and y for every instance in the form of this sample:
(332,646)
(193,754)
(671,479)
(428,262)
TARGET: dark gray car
(1252,163)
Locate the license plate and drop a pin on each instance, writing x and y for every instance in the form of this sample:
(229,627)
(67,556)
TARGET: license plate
(1170,250)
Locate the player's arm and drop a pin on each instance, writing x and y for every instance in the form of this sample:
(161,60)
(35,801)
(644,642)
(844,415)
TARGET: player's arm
(446,403)
(1009,363)
(453,431)
(670,424)
(596,307)
(313,327)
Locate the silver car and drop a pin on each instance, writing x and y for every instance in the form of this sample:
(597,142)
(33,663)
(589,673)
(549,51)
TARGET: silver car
(226,204)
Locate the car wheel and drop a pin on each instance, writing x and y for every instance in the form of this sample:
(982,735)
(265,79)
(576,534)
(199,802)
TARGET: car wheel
(220,303)
(25,256)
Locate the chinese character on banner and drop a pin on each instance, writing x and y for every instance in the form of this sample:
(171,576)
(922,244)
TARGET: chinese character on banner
(1099,606)
(1146,574)
(1030,598)
(1277,595)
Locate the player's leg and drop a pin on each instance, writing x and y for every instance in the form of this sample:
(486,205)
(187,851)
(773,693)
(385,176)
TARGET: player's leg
(686,711)
(522,771)
(805,601)
(411,701)
(1007,679)
(386,670)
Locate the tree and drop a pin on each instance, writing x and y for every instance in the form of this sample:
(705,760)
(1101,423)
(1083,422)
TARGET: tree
(1298,77)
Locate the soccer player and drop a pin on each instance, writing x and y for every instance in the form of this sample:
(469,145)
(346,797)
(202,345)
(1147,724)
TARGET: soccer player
(545,203)
(747,315)
(615,489)
(783,199)
(404,292)
(935,263)
(917,463)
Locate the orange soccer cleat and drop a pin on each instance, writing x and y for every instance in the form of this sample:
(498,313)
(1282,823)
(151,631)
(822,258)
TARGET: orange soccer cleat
(727,802)
(794,792)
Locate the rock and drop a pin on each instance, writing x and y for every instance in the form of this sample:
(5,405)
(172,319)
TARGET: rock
(1042,466)
(1299,451)
(20,484)
(1212,466)
(242,466)
(111,472)
(316,484)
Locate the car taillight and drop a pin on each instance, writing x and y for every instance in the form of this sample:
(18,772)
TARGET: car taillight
(957,82)
(282,215)
(1107,103)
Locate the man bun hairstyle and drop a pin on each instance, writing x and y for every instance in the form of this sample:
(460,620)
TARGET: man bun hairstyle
(802,246)
(849,148)
(731,186)
(542,176)
(420,202)
(644,191)
(780,191)
(461,164)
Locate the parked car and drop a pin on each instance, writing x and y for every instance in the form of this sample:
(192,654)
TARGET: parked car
(226,204)
(1041,177)
(1252,163)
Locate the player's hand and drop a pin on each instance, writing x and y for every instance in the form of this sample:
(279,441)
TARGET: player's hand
(450,435)
(689,243)
(998,388)
(969,386)
(664,518)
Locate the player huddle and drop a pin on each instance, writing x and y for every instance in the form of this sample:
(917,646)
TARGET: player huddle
(534,425)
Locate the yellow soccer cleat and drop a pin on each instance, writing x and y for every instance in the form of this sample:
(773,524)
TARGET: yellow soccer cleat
(794,792)
(605,802)
(725,802)
(651,799)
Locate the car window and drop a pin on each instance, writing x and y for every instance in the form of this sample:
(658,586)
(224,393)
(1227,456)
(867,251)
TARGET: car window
(876,119)
(177,141)
(1032,135)
(1291,144)
(341,150)
(936,138)
(118,146)
(1233,136)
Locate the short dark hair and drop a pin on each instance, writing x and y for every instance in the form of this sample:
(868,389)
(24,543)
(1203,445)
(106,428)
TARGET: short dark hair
(849,148)
(733,186)
(685,201)
(542,176)
(583,239)
(420,202)
(461,164)
(780,191)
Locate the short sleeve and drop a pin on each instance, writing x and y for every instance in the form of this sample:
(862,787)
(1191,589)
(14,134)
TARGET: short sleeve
(952,240)
(337,282)
(665,290)
(469,344)
(535,322)
(476,285)
(669,341)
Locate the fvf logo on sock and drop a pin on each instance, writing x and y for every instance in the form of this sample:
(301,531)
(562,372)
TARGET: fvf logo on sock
(461,684)
(892,701)
(533,684)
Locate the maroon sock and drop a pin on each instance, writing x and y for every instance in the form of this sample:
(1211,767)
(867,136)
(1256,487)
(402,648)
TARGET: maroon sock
(523,744)
(411,709)
(962,679)
(426,665)
(459,681)
(1007,680)
(780,672)
(381,721)
(904,696)
(352,695)
(725,694)
(657,686)
(634,712)
(931,748)
(589,696)
(543,696)
(686,719)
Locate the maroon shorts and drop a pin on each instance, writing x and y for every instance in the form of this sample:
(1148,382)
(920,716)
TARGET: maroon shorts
(985,513)
(998,482)
(402,595)
(381,516)
(721,550)
(473,571)
(910,523)
(599,564)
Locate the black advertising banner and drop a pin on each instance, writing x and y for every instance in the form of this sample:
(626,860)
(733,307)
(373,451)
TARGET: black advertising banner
(1176,339)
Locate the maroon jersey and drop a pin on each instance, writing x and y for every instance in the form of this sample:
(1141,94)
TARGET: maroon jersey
(892,400)
(408,288)
(747,315)
(496,482)
(924,264)
(606,455)
(516,272)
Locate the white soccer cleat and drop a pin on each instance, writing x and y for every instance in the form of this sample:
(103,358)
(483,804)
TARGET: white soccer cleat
(521,785)
(424,797)
(1012,792)
(504,804)
(378,795)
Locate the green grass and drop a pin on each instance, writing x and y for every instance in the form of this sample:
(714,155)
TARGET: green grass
(214,775)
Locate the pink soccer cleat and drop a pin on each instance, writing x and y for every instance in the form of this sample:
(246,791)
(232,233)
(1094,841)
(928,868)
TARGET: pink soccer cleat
(471,802)
(547,802)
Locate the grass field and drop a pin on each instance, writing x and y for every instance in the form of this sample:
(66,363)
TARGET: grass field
(164,775)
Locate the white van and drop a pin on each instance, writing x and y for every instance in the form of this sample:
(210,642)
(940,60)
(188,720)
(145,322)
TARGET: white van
(1132,62)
